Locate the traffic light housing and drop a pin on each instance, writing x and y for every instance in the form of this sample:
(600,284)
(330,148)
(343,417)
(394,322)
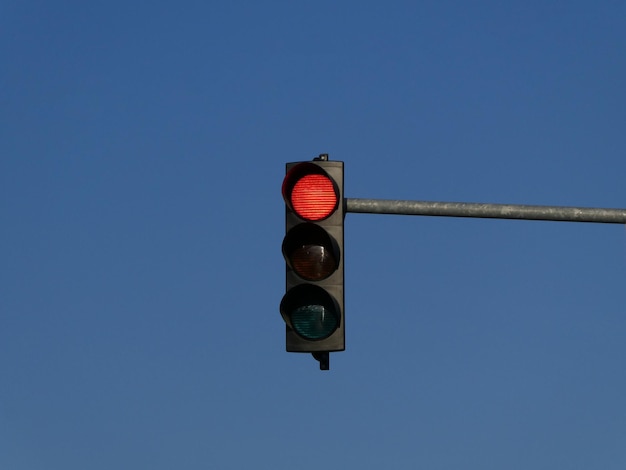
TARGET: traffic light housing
(313,305)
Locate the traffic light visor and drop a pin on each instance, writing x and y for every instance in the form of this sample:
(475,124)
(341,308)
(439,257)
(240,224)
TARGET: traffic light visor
(310,192)
(311,312)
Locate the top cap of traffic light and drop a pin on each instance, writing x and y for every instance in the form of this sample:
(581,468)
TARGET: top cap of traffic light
(310,192)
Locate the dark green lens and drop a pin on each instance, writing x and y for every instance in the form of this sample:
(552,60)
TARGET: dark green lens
(314,322)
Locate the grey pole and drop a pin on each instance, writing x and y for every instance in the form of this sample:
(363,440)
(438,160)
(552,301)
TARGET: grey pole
(490,211)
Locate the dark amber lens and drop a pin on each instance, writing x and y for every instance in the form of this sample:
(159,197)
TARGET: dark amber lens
(311,252)
(313,262)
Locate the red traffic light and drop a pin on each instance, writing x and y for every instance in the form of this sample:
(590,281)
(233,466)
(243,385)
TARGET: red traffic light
(310,192)
(313,304)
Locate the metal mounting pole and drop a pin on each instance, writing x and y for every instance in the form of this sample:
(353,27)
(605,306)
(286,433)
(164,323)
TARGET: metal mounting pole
(489,211)
(323,358)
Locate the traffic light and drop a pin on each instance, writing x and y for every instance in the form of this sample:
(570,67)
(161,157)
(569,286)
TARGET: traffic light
(313,305)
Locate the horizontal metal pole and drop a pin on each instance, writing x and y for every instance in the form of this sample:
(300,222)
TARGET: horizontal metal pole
(489,211)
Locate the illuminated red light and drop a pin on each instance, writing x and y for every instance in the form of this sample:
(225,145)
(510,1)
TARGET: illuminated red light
(314,197)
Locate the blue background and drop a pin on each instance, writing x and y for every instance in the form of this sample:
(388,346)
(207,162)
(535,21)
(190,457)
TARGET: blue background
(142,150)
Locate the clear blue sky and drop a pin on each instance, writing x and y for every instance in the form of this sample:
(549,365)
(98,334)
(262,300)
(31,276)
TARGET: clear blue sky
(142,149)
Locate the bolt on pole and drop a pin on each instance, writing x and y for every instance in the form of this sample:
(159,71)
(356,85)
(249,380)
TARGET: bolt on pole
(489,211)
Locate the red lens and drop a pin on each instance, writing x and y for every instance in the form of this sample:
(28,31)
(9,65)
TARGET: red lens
(314,197)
